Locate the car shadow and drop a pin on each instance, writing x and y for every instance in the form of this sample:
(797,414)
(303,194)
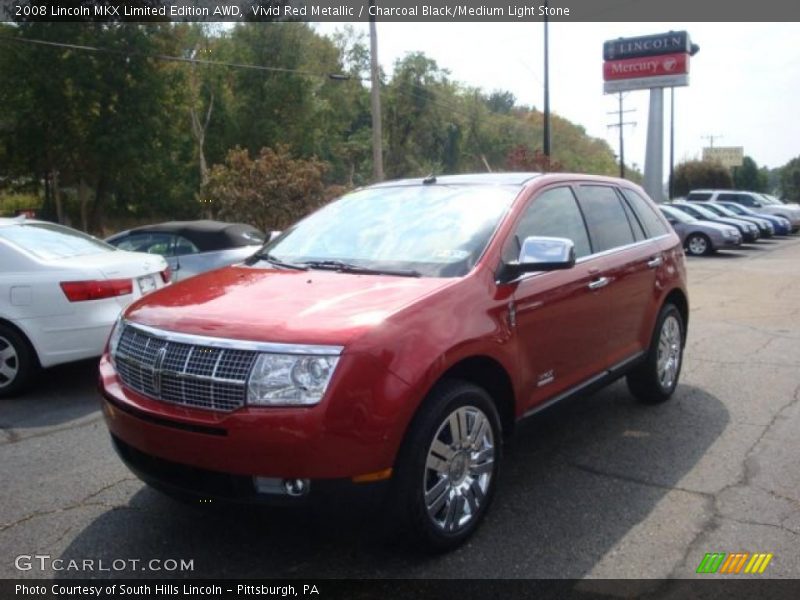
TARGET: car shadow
(58,395)
(719,254)
(575,480)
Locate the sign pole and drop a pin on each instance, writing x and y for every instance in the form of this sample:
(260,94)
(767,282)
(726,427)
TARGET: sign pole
(654,156)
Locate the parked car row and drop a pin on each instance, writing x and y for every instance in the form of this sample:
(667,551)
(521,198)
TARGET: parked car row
(61,290)
(711,220)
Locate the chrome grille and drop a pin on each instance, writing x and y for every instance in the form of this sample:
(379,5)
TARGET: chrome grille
(193,375)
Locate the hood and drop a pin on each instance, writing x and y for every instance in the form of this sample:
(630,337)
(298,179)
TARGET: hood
(285,306)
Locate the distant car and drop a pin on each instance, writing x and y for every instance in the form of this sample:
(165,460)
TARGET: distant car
(765,227)
(748,230)
(193,247)
(781,225)
(755,200)
(701,237)
(60,293)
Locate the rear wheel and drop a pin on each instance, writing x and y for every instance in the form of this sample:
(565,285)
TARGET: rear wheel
(656,378)
(17,363)
(698,244)
(447,470)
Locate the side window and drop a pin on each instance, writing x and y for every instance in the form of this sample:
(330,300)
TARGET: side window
(636,226)
(553,213)
(653,225)
(184,246)
(608,225)
(698,196)
(152,243)
(729,197)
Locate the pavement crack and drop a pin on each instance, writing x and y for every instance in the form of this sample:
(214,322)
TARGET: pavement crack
(15,437)
(744,480)
(85,502)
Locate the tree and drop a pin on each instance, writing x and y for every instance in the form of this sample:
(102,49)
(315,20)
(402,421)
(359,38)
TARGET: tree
(520,158)
(749,177)
(790,180)
(695,174)
(269,192)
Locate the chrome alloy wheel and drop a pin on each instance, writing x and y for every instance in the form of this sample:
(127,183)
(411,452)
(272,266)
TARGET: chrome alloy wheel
(458,469)
(669,352)
(9,363)
(698,245)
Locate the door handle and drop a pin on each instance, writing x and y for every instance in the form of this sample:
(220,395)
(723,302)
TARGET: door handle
(599,283)
(654,262)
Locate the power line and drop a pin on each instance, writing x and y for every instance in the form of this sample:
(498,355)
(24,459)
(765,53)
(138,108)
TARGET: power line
(180,59)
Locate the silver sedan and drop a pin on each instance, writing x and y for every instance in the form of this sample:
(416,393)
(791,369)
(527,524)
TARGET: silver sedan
(701,237)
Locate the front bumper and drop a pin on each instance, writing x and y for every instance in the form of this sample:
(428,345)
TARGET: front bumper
(355,431)
(195,485)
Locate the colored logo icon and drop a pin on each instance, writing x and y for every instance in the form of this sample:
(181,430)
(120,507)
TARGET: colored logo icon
(734,564)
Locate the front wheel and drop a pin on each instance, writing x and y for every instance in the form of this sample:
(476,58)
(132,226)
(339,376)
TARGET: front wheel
(447,469)
(698,244)
(656,378)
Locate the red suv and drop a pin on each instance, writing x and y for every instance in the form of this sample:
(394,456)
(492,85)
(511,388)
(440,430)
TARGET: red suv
(397,335)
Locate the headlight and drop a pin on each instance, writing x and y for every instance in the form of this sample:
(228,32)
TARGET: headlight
(729,233)
(753,229)
(114,338)
(289,379)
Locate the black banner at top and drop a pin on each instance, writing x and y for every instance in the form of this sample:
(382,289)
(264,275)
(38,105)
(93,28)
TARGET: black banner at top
(397,10)
(672,42)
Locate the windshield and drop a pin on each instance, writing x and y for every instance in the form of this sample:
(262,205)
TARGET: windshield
(703,212)
(767,199)
(723,210)
(678,215)
(433,230)
(49,241)
(738,209)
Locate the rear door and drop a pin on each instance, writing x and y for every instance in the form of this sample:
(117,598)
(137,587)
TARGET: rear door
(617,227)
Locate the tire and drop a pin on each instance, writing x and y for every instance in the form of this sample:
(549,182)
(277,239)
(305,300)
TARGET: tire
(698,244)
(17,362)
(445,477)
(654,380)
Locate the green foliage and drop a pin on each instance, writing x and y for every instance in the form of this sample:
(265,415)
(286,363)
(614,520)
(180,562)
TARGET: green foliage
(270,192)
(124,136)
(696,174)
(749,177)
(11,204)
(790,181)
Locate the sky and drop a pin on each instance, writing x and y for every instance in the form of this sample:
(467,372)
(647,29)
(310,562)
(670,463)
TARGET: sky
(744,83)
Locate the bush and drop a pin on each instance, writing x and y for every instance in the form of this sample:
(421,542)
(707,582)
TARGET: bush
(269,192)
(696,174)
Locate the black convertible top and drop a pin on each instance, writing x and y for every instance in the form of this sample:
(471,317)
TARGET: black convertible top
(207,235)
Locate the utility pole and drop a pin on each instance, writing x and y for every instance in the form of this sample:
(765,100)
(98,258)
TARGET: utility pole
(546,141)
(375,96)
(671,183)
(621,125)
(711,138)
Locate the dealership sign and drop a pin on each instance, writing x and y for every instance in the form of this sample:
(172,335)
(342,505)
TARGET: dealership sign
(672,42)
(728,156)
(645,62)
(646,66)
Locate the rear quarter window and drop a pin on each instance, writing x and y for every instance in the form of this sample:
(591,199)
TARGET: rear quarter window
(654,226)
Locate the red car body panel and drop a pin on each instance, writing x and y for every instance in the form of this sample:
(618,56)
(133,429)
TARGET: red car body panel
(400,335)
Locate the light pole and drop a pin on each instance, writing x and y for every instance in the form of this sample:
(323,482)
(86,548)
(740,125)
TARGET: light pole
(546,141)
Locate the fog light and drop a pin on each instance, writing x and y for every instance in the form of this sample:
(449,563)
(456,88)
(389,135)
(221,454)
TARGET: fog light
(296,487)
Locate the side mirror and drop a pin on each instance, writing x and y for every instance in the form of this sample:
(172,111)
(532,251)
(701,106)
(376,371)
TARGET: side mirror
(541,254)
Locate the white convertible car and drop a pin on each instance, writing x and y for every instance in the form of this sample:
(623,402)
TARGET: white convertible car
(60,292)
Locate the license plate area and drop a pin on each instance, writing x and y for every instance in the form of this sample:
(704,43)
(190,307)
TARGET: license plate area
(147,283)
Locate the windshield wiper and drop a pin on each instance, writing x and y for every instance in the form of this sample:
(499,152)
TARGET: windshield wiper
(344,267)
(278,262)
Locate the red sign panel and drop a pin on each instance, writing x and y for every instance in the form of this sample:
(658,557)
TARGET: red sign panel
(646,66)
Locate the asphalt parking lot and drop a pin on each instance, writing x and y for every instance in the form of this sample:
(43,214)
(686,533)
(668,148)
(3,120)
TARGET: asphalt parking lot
(599,487)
